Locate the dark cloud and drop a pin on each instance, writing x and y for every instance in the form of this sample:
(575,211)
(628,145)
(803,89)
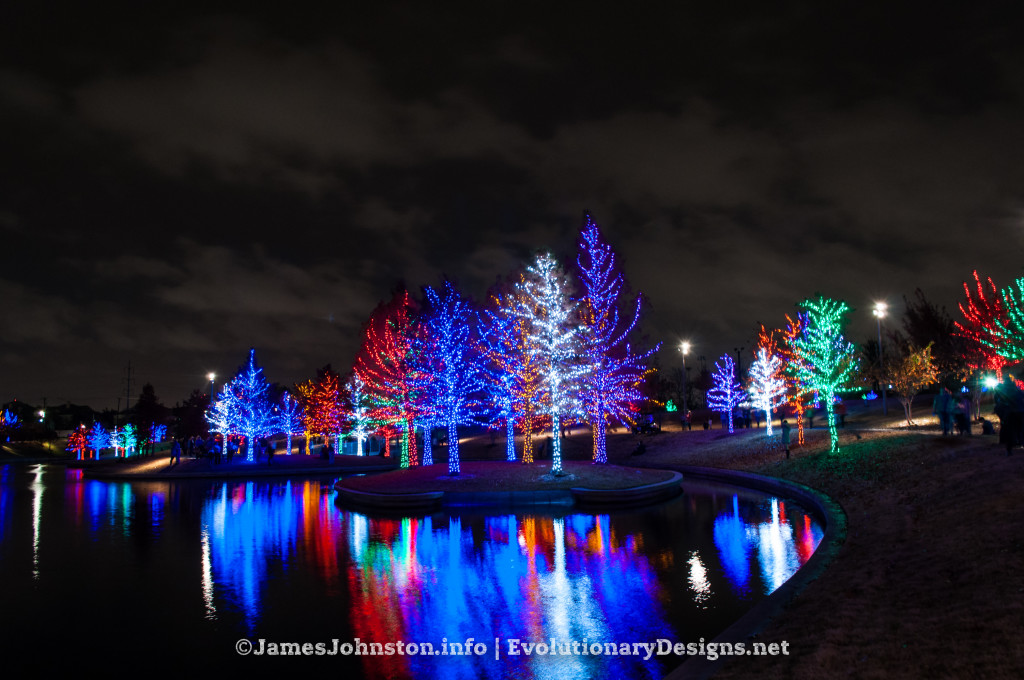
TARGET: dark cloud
(181,184)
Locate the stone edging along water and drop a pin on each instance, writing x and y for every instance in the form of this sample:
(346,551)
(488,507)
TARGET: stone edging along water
(825,510)
(431,500)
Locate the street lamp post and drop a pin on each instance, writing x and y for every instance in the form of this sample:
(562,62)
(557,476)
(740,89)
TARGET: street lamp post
(879,311)
(684,348)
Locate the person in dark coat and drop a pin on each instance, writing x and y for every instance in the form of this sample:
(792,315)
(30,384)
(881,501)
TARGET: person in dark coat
(1009,407)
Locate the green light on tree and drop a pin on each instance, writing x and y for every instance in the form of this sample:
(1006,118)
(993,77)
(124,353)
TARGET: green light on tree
(827,359)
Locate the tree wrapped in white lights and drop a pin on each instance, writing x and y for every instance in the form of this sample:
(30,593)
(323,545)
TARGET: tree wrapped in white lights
(766,384)
(555,338)
(611,388)
(359,406)
(727,393)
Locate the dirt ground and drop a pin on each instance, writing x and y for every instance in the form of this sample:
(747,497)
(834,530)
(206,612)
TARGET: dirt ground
(930,580)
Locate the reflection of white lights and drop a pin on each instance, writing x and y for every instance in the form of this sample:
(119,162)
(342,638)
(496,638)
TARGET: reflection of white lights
(211,610)
(776,551)
(37,510)
(699,583)
(359,535)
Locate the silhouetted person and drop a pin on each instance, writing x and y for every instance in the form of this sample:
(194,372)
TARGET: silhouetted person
(785,436)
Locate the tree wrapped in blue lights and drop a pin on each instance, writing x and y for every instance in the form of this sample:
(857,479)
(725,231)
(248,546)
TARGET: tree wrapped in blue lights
(611,385)
(827,360)
(243,407)
(444,357)
(727,393)
(766,384)
(8,423)
(499,344)
(289,420)
(99,438)
(555,339)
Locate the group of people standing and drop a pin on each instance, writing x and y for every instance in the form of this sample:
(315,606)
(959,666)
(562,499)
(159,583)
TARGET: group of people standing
(953,412)
(199,447)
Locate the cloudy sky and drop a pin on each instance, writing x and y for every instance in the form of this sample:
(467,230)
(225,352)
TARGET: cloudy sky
(181,184)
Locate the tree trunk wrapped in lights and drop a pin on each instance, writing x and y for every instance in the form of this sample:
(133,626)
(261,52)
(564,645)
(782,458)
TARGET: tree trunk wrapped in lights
(385,365)
(611,383)
(827,360)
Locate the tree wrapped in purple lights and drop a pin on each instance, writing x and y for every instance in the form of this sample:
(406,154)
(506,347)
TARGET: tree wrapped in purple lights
(727,393)
(450,380)
(611,384)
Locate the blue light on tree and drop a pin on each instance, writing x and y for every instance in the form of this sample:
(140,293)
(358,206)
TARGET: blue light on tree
(99,438)
(242,407)
(444,345)
(289,420)
(727,393)
(611,382)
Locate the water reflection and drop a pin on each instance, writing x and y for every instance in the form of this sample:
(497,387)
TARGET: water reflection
(276,557)
(780,549)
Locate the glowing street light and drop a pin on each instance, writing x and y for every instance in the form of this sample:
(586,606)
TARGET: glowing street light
(684,348)
(211,377)
(879,311)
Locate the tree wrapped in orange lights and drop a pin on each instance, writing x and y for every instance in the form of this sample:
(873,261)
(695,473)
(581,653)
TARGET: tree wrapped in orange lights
(385,364)
(321,400)
(984,317)
(513,371)
(797,390)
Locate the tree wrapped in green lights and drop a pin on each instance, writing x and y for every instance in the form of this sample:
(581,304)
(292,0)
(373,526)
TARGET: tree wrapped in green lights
(827,359)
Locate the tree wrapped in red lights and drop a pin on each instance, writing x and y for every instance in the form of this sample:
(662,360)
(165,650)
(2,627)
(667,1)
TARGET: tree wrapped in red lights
(78,441)
(985,321)
(797,389)
(321,402)
(385,364)
(611,383)
(512,372)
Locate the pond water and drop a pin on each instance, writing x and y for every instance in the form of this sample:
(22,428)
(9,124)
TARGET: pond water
(171,575)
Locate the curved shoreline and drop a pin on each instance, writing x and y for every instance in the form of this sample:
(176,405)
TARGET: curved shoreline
(826,510)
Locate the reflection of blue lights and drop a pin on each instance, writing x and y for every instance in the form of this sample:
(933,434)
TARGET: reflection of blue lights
(730,534)
(737,537)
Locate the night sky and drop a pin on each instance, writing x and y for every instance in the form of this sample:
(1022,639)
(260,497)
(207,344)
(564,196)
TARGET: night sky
(181,184)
